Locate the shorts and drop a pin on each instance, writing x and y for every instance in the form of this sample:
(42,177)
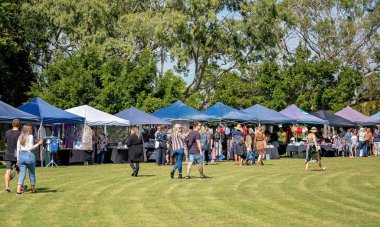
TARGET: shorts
(196,158)
(9,164)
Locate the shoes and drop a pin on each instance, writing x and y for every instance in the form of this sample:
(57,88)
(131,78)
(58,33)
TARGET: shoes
(8,190)
(187,177)
(179,176)
(204,177)
(24,188)
(136,173)
(172,174)
(35,191)
(133,173)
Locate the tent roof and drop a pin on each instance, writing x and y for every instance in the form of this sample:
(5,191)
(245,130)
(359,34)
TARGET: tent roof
(334,120)
(139,117)
(267,116)
(49,113)
(94,117)
(180,111)
(223,112)
(301,116)
(376,116)
(356,116)
(8,113)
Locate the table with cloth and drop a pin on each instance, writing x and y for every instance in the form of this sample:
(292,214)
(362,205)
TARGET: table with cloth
(327,150)
(273,152)
(300,150)
(118,155)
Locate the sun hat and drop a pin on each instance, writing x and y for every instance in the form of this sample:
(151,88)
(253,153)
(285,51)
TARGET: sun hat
(238,127)
(313,129)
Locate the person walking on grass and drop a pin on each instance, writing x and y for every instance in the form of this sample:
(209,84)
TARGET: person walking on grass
(195,150)
(10,156)
(136,151)
(178,146)
(313,149)
(260,143)
(25,158)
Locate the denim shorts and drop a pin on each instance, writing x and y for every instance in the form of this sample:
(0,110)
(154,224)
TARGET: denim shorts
(196,158)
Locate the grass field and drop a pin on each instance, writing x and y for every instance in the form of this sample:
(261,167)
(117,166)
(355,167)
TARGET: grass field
(280,193)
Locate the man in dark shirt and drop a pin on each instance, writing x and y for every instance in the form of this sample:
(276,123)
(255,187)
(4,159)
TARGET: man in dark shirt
(235,140)
(195,150)
(11,137)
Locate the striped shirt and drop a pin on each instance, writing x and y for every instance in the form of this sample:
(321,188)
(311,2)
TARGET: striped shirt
(178,141)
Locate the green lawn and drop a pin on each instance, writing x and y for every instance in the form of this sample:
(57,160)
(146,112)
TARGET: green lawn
(279,193)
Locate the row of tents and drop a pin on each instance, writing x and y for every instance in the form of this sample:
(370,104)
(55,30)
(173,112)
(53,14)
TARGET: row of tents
(37,110)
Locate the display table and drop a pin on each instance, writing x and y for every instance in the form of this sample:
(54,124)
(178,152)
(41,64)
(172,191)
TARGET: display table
(78,156)
(298,150)
(327,150)
(273,153)
(119,155)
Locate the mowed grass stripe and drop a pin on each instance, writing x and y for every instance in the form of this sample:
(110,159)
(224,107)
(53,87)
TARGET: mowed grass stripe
(279,193)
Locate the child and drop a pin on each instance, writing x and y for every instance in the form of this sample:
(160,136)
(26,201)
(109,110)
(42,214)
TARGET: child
(250,155)
(241,150)
(354,144)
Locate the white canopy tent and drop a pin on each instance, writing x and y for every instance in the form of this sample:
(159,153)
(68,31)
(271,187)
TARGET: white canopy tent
(94,117)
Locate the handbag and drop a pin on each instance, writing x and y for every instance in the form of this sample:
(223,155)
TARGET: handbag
(156,144)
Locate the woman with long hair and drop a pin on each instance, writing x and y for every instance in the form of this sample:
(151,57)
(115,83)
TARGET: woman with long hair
(260,144)
(313,149)
(135,154)
(25,157)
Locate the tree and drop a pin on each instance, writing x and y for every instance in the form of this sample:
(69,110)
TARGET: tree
(345,32)
(16,73)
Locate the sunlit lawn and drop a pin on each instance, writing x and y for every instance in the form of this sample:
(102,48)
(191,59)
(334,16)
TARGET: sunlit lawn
(277,194)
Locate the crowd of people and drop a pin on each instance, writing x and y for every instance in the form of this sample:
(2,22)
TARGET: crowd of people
(357,143)
(198,145)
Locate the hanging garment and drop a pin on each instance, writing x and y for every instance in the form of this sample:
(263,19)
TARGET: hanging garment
(87,138)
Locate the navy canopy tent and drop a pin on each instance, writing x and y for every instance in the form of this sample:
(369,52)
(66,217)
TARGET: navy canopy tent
(222,112)
(179,111)
(139,117)
(50,114)
(8,113)
(267,116)
(334,120)
(301,116)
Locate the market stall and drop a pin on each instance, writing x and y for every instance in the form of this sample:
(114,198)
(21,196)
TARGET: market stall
(267,116)
(334,120)
(357,117)
(222,112)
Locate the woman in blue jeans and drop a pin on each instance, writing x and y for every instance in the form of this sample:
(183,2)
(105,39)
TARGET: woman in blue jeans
(25,157)
(178,143)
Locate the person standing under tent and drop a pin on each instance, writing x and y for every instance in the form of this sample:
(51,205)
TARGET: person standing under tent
(313,149)
(241,150)
(217,145)
(204,143)
(354,144)
(376,142)
(25,158)
(251,133)
(260,143)
(369,141)
(195,150)
(362,136)
(236,135)
(347,143)
(136,150)
(10,156)
(102,143)
(250,156)
(161,139)
(178,146)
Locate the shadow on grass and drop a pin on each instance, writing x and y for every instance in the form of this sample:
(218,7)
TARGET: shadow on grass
(47,190)
(146,175)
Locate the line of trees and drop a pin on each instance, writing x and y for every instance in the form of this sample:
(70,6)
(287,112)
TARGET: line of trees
(110,54)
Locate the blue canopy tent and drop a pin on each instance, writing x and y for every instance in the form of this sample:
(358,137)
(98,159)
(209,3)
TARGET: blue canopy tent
(267,116)
(50,114)
(179,111)
(8,113)
(222,112)
(139,117)
(302,116)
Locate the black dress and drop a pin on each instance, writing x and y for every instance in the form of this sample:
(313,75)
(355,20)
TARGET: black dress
(136,149)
